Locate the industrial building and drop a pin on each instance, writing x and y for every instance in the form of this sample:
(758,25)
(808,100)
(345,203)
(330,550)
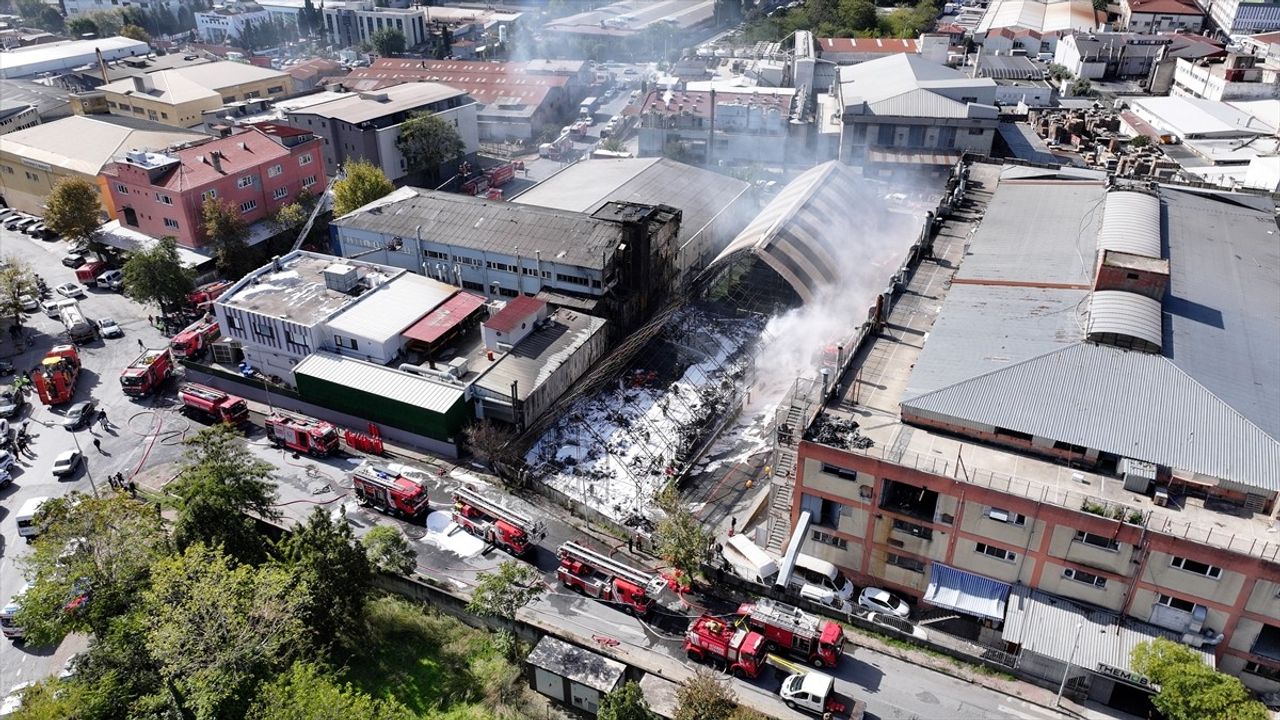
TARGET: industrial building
(714,207)
(1152,17)
(619,262)
(1035,26)
(1242,17)
(178,96)
(57,57)
(749,125)
(618,24)
(1231,144)
(1076,431)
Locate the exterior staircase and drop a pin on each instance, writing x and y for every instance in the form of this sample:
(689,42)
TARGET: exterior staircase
(793,416)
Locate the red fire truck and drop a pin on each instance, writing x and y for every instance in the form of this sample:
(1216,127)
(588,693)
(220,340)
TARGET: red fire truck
(301,434)
(792,630)
(608,580)
(213,405)
(499,526)
(55,379)
(146,374)
(196,339)
(389,491)
(207,293)
(739,650)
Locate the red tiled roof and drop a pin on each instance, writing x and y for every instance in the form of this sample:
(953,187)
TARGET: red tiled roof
(1167,7)
(238,152)
(447,315)
(313,68)
(951,29)
(513,312)
(1266,38)
(869,45)
(278,130)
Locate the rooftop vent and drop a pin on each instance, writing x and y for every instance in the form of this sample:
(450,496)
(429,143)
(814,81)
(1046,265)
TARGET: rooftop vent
(341,278)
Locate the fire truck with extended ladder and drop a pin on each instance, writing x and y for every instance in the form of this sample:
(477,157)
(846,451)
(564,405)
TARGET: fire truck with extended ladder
(196,338)
(55,379)
(390,491)
(738,650)
(300,434)
(607,579)
(146,374)
(213,404)
(791,630)
(499,526)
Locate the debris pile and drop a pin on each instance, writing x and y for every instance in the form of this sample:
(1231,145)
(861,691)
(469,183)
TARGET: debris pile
(837,432)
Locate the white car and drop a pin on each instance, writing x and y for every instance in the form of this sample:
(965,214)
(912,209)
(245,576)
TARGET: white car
(66,463)
(12,702)
(109,328)
(883,601)
(28,303)
(6,459)
(898,624)
(71,290)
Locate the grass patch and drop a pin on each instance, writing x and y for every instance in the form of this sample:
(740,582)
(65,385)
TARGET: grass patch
(436,666)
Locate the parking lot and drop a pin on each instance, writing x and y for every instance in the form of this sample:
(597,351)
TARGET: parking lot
(136,433)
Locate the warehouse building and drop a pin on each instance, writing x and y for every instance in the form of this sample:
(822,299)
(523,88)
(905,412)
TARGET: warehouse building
(62,56)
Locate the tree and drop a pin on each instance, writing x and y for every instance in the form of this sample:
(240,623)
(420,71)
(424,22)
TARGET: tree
(43,16)
(16,280)
(494,446)
(362,183)
(89,565)
(134,32)
(1058,72)
(108,22)
(225,229)
(289,217)
(745,713)
(679,539)
(388,42)
(334,573)
(625,703)
(389,551)
(74,212)
(1081,87)
(1139,141)
(307,692)
(427,141)
(705,696)
(1190,689)
(219,629)
(858,15)
(1100,5)
(502,593)
(156,275)
(81,25)
(613,144)
(219,485)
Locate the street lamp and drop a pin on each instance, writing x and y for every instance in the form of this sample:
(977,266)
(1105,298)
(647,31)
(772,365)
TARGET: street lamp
(1070,659)
(87,472)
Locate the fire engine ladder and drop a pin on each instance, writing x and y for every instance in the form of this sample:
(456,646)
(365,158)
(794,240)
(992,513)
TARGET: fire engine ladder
(797,623)
(204,393)
(497,511)
(610,566)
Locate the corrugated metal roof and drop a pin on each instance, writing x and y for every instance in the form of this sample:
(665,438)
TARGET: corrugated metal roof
(965,591)
(1046,625)
(1131,223)
(1127,314)
(907,85)
(385,311)
(380,380)
(581,666)
(448,314)
(541,353)
(487,225)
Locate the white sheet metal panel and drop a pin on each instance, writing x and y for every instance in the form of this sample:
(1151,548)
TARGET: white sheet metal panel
(1131,223)
(379,380)
(1119,312)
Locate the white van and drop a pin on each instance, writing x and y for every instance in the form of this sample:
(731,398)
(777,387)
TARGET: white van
(26,517)
(823,574)
(749,561)
(8,627)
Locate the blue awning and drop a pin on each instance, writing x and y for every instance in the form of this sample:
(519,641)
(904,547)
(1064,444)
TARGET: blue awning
(965,592)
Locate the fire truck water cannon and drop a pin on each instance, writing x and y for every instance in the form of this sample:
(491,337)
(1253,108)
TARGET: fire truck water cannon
(815,640)
(146,374)
(212,404)
(498,525)
(389,491)
(738,650)
(608,580)
(302,434)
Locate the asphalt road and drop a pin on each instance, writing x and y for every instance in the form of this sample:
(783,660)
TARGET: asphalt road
(124,443)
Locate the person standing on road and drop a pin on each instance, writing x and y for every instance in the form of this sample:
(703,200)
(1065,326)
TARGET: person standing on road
(102,418)
(141,345)
(97,444)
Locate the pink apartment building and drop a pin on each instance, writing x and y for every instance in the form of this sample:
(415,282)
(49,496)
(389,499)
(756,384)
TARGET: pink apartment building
(256,168)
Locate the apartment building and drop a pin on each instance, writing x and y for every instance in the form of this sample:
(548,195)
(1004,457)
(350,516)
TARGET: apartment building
(366,125)
(1069,432)
(1237,76)
(257,169)
(225,22)
(754,125)
(79,7)
(1161,16)
(353,23)
(1242,17)
(178,96)
(1111,55)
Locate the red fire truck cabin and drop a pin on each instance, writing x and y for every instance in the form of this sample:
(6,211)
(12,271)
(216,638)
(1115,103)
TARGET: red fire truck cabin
(146,374)
(794,631)
(498,525)
(213,405)
(738,650)
(302,434)
(388,491)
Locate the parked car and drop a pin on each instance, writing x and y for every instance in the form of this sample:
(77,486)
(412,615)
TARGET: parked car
(79,415)
(897,624)
(11,223)
(71,290)
(28,303)
(47,234)
(12,702)
(24,223)
(6,459)
(5,478)
(73,260)
(11,401)
(111,280)
(6,213)
(66,463)
(883,601)
(34,228)
(109,329)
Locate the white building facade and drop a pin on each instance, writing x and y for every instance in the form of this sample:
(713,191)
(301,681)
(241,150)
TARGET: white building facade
(227,22)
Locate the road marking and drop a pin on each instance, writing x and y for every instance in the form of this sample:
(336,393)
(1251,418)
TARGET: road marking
(1039,712)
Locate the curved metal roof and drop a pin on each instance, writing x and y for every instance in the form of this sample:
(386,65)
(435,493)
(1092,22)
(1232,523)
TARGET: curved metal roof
(1131,223)
(1126,319)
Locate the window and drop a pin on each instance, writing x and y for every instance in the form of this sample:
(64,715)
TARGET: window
(304,159)
(275,170)
(1081,576)
(1005,516)
(166,199)
(164,115)
(905,562)
(294,338)
(507,292)
(248,205)
(264,331)
(919,531)
(275,89)
(279,193)
(1098,541)
(234,323)
(832,540)
(246,181)
(1194,566)
(346,343)
(839,472)
(119,188)
(1014,434)
(468,285)
(437,255)
(1176,603)
(1262,671)
(571,279)
(309,181)
(130,216)
(976,131)
(1071,448)
(208,194)
(171,223)
(995,552)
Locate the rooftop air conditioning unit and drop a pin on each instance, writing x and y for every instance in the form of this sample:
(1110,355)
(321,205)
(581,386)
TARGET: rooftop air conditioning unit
(341,278)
